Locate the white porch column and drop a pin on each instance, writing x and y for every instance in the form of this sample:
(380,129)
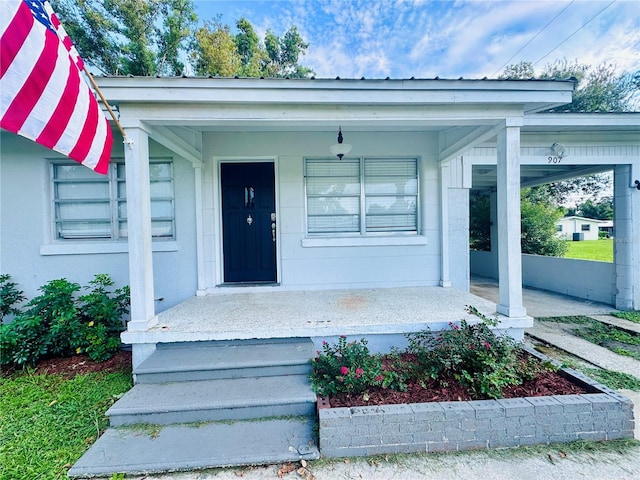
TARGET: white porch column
(626,237)
(508,196)
(445,279)
(197,178)
(139,230)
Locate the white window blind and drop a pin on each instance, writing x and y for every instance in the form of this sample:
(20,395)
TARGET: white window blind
(88,205)
(338,191)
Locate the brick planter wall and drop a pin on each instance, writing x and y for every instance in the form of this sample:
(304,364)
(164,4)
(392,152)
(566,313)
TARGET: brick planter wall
(449,426)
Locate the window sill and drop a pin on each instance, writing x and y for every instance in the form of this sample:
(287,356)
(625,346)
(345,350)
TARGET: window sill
(101,248)
(365,241)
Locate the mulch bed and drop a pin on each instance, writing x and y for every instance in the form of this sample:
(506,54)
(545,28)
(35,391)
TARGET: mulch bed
(449,390)
(80,364)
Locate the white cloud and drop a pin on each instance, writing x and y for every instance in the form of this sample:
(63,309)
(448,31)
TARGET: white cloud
(403,38)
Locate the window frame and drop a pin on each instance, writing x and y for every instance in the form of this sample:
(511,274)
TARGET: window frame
(362,231)
(585,227)
(114,201)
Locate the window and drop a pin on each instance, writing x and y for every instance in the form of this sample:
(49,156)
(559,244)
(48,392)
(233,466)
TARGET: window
(339,191)
(586,227)
(559,228)
(91,206)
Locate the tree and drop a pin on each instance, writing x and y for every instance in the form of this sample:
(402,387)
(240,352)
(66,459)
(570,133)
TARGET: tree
(154,37)
(179,20)
(518,71)
(135,19)
(602,210)
(588,186)
(539,217)
(129,37)
(598,88)
(88,24)
(291,47)
(218,52)
(248,45)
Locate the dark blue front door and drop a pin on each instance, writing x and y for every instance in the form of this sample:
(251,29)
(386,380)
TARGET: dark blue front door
(248,222)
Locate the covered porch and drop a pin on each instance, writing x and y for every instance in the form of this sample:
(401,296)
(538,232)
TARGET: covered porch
(348,279)
(264,313)
(320,313)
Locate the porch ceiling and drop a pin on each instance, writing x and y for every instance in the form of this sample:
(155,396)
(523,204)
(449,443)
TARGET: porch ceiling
(485,176)
(266,312)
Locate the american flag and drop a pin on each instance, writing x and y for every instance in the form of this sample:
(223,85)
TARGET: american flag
(42,93)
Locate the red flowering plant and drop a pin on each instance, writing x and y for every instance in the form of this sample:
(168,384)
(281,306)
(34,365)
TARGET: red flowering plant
(476,356)
(472,353)
(346,367)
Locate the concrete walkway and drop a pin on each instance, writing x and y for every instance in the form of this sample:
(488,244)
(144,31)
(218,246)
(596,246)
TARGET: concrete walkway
(545,464)
(599,356)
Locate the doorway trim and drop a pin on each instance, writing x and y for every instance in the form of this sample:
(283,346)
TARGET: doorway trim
(216,243)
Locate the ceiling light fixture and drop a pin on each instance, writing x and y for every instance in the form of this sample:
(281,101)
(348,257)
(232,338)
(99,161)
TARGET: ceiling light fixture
(340,149)
(558,149)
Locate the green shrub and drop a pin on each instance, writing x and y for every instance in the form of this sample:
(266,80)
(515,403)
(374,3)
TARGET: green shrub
(101,317)
(10,296)
(49,325)
(345,368)
(472,353)
(56,323)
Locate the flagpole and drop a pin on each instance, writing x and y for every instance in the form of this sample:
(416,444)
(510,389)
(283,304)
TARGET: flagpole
(106,104)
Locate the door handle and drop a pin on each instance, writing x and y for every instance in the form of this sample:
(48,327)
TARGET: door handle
(273,226)
(249,220)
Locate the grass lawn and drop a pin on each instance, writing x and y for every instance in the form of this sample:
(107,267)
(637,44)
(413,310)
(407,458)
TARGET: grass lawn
(633,316)
(48,421)
(600,250)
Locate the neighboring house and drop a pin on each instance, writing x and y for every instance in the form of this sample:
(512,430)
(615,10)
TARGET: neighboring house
(606,227)
(578,228)
(230,182)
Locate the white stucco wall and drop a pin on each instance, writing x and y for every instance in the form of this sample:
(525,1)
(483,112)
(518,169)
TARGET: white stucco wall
(579,278)
(354,262)
(29,254)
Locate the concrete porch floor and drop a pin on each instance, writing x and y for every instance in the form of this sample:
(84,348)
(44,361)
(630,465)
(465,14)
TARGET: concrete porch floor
(273,313)
(541,303)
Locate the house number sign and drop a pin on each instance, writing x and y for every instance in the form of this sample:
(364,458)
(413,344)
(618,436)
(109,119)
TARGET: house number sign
(554,159)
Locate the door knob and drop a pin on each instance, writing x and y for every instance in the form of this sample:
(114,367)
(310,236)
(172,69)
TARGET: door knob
(249,220)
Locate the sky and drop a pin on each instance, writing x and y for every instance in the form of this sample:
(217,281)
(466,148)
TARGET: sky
(448,39)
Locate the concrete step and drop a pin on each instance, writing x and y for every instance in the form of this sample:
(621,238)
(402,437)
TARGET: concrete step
(207,400)
(186,447)
(218,360)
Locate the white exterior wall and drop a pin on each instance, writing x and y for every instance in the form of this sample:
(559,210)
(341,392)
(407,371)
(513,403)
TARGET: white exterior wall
(586,279)
(329,262)
(29,254)
(459,238)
